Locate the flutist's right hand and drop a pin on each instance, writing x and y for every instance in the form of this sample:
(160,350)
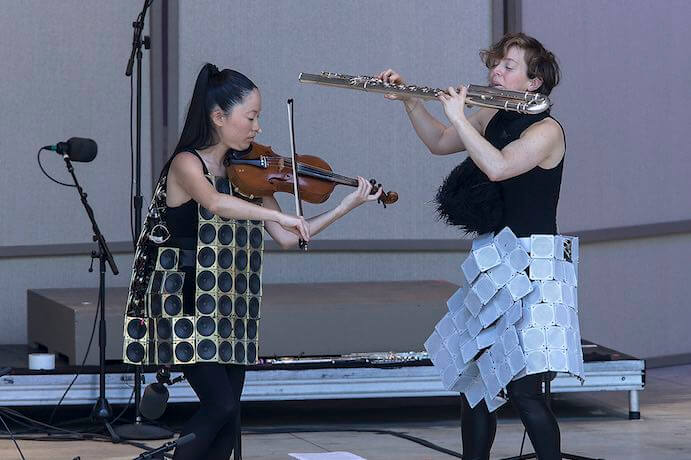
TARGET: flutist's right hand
(394,78)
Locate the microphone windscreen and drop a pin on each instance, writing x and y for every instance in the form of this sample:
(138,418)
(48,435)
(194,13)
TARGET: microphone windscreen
(154,401)
(82,149)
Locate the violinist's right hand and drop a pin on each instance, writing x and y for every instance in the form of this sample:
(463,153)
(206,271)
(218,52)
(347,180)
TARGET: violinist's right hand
(296,225)
(394,78)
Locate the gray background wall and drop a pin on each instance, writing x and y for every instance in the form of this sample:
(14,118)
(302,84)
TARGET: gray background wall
(357,133)
(624,175)
(624,101)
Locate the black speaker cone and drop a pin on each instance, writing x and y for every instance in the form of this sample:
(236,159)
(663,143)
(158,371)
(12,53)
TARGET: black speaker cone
(240,283)
(163,328)
(241,259)
(225,258)
(206,257)
(255,284)
(225,305)
(241,235)
(239,352)
(136,328)
(225,234)
(239,329)
(165,353)
(254,307)
(255,261)
(206,349)
(206,304)
(251,352)
(240,307)
(173,283)
(184,352)
(206,325)
(206,280)
(225,351)
(251,329)
(167,259)
(225,328)
(172,305)
(225,282)
(256,238)
(207,233)
(135,352)
(183,328)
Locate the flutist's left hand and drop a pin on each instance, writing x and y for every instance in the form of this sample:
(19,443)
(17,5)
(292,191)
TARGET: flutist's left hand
(454,103)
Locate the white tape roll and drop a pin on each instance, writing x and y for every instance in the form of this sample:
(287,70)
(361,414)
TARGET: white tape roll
(41,361)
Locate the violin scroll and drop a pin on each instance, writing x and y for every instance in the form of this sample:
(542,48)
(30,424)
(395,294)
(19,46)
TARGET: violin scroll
(386,197)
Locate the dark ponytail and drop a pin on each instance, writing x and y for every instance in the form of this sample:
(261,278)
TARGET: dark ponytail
(223,89)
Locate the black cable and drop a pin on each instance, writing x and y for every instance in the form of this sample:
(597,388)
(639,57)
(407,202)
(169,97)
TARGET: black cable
(124,409)
(38,158)
(13,438)
(86,355)
(39,423)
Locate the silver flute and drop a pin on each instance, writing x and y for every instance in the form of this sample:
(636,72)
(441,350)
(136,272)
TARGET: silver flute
(481,96)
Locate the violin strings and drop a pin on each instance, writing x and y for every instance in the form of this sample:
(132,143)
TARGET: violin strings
(309,168)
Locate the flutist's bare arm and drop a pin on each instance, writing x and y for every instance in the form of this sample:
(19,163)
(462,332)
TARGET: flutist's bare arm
(440,139)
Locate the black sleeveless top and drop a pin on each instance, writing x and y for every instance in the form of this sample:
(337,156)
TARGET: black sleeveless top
(182,221)
(530,199)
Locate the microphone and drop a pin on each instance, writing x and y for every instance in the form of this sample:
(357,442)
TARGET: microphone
(155,398)
(76,148)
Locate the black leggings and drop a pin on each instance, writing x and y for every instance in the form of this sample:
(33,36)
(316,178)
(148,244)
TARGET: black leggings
(478,425)
(218,387)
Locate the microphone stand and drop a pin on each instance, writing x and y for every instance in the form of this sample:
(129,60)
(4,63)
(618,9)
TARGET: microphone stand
(101,411)
(138,429)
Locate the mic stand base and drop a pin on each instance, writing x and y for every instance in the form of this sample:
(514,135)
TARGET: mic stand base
(101,413)
(142,431)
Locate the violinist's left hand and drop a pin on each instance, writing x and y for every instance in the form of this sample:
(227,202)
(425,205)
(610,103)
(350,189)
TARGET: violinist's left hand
(454,103)
(360,196)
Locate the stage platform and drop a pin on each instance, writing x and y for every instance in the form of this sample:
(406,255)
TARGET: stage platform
(359,376)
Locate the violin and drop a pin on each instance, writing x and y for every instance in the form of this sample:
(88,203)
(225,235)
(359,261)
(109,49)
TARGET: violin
(263,172)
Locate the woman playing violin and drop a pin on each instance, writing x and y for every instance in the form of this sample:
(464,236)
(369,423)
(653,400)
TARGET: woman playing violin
(223,119)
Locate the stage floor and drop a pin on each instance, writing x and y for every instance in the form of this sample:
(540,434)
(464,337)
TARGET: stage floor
(592,424)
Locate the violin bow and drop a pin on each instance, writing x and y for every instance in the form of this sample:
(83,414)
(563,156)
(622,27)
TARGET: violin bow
(296,190)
